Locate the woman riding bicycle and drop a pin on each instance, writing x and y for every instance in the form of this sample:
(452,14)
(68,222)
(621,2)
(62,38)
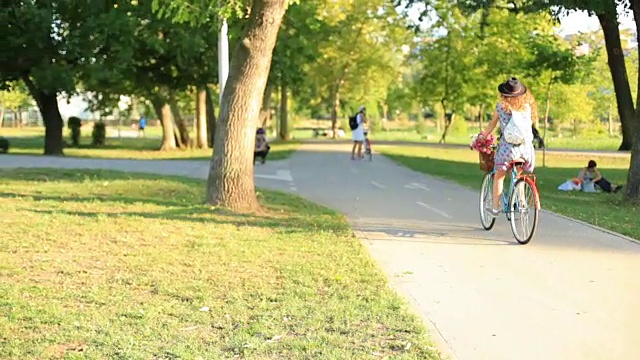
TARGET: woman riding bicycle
(516,110)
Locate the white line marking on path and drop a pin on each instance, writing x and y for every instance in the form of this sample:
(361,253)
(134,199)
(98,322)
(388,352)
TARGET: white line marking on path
(416,186)
(433,209)
(378,185)
(282,175)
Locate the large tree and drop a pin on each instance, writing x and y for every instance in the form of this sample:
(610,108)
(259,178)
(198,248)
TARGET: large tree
(152,57)
(231,181)
(44,44)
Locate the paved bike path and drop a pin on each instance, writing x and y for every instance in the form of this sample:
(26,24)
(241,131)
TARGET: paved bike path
(572,293)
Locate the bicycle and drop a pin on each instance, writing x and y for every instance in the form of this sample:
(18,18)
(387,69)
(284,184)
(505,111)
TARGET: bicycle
(520,199)
(367,146)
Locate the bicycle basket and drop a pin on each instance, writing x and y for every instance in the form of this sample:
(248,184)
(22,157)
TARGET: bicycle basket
(487,161)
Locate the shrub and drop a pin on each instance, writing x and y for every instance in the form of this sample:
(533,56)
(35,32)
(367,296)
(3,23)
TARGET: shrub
(74,124)
(4,145)
(375,125)
(459,127)
(421,127)
(343,123)
(99,134)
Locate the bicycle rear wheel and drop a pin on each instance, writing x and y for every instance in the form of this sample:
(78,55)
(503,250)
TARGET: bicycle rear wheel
(486,202)
(524,216)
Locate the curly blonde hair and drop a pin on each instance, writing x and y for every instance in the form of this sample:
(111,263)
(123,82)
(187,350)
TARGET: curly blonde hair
(518,103)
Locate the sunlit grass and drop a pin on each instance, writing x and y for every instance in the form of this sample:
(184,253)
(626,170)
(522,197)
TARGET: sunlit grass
(30,141)
(109,265)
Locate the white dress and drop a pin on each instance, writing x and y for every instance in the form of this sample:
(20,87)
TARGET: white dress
(358,133)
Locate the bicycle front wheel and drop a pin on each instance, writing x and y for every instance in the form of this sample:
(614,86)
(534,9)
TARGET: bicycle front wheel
(524,216)
(486,202)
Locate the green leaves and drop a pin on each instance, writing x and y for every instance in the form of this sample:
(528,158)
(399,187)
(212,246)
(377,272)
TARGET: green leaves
(359,52)
(49,41)
(14,97)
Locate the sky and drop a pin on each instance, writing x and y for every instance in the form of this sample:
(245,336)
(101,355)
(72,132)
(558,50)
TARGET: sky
(582,22)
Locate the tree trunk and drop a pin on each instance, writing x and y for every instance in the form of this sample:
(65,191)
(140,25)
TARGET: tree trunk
(19,117)
(53,139)
(135,109)
(181,128)
(546,122)
(481,116)
(610,118)
(164,114)
(618,69)
(335,109)
(265,111)
(176,130)
(632,192)
(48,105)
(284,113)
(211,117)
(201,119)
(1,117)
(385,111)
(447,124)
(231,181)
(633,176)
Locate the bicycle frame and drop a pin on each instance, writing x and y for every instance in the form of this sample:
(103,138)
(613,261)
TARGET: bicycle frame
(506,195)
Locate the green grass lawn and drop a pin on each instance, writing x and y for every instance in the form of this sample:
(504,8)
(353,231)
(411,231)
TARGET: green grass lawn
(605,210)
(553,141)
(31,142)
(109,265)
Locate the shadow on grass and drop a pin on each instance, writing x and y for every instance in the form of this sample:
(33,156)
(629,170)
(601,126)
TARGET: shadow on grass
(116,148)
(37,143)
(45,175)
(182,199)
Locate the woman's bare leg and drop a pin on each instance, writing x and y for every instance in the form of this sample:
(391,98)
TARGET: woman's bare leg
(498,182)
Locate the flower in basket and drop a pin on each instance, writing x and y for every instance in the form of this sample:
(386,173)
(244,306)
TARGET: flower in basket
(482,144)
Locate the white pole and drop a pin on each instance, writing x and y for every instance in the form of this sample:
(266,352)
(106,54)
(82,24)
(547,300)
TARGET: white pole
(223,57)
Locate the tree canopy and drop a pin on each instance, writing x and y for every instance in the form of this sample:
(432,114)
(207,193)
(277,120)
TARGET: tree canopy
(328,58)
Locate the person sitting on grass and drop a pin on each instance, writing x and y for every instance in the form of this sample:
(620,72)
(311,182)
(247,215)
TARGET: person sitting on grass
(591,174)
(262,146)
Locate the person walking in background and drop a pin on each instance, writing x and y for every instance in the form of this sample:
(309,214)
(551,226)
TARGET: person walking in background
(142,124)
(357,132)
(262,146)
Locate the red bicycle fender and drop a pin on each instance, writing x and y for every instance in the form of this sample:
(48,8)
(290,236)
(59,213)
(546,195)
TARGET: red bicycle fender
(536,193)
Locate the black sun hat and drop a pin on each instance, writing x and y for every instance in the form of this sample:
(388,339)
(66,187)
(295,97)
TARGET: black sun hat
(512,87)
